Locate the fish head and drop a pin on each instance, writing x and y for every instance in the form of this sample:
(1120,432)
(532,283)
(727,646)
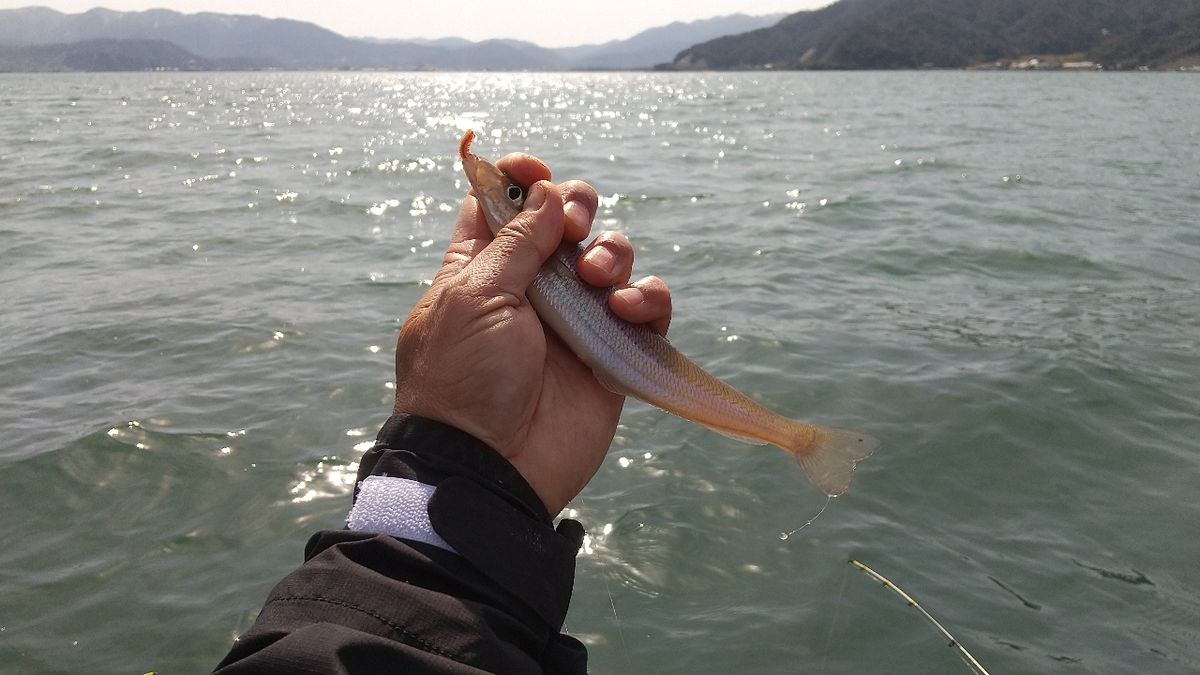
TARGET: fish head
(499,195)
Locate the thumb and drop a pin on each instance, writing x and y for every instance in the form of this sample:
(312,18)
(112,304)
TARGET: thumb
(510,262)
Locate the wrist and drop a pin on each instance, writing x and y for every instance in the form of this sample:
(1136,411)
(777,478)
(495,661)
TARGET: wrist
(482,507)
(552,492)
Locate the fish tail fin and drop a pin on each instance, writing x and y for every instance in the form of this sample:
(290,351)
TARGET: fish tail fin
(829,455)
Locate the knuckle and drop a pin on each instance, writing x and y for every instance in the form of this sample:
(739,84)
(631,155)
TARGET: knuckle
(579,191)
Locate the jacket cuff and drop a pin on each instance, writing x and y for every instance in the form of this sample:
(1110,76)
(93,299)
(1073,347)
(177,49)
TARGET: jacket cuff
(483,508)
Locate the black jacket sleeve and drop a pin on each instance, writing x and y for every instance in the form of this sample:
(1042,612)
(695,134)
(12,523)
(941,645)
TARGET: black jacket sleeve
(366,602)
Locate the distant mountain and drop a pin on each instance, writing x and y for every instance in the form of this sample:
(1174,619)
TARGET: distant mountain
(278,42)
(435,42)
(254,41)
(858,34)
(660,44)
(96,55)
(850,34)
(206,35)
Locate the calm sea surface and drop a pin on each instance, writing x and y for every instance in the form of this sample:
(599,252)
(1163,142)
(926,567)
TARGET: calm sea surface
(202,275)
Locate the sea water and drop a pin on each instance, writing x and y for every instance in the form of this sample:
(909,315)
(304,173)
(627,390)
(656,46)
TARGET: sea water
(202,276)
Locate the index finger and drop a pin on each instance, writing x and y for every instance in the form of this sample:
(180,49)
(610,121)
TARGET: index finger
(527,170)
(524,169)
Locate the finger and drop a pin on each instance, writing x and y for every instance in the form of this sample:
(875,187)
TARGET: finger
(471,225)
(471,232)
(579,209)
(524,169)
(647,301)
(470,236)
(607,261)
(510,262)
(579,197)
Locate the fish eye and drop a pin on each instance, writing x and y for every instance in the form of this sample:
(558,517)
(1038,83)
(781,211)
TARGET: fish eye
(515,193)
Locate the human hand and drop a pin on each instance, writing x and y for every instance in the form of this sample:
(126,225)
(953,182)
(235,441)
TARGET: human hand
(473,353)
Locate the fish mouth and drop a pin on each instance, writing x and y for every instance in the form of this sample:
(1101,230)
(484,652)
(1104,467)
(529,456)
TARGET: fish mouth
(481,174)
(488,184)
(471,169)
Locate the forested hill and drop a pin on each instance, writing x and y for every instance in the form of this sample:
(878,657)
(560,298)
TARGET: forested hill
(884,34)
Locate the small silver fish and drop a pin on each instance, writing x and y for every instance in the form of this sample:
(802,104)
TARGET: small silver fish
(633,360)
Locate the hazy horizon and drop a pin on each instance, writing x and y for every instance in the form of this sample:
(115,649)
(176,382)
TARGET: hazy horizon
(564,25)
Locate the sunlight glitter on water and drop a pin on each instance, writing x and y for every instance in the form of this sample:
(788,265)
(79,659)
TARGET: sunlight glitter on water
(329,478)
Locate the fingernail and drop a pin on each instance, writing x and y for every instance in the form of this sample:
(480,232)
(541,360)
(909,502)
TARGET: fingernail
(577,214)
(536,197)
(601,257)
(631,296)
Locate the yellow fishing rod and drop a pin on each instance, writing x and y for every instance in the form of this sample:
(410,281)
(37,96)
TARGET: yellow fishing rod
(966,655)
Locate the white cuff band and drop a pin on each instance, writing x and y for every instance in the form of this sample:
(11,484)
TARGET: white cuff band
(395,506)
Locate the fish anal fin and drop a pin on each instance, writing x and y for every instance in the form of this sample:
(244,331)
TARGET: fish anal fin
(617,387)
(739,437)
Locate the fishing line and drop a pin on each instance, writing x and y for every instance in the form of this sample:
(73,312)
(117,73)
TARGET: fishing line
(604,574)
(617,619)
(837,611)
(784,536)
(962,651)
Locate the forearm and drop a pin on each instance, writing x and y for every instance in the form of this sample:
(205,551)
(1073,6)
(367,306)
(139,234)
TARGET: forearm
(363,601)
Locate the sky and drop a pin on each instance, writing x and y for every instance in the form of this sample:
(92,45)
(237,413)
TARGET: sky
(563,23)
